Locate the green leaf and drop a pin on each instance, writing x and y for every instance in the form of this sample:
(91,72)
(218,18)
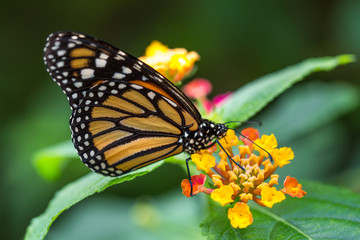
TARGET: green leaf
(254,96)
(326,212)
(50,162)
(320,102)
(74,193)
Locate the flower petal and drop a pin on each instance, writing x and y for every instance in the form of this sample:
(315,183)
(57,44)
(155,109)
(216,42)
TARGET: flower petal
(197,88)
(293,188)
(197,180)
(204,161)
(270,196)
(282,156)
(175,64)
(250,133)
(223,195)
(266,142)
(240,215)
(229,140)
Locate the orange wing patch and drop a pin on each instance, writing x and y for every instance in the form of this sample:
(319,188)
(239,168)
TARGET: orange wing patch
(154,88)
(82,52)
(96,127)
(102,112)
(190,121)
(150,123)
(105,139)
(120,152)
(80,63)
(146,159)
(139,98)
(169,111)
(122,104)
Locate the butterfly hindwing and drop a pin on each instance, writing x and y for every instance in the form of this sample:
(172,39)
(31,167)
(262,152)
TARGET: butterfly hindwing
(122,126)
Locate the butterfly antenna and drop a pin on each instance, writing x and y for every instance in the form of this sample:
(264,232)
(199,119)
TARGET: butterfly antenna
(252,121)
(228,155)
(271,158)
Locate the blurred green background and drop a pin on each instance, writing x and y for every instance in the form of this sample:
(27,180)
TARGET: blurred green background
(237,40)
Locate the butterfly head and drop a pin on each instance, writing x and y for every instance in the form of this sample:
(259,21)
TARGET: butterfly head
(194,141)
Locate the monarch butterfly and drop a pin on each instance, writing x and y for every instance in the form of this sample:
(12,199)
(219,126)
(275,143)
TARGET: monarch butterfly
(125,115)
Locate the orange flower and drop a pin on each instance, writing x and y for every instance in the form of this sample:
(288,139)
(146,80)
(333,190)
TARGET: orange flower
(250,133)
(240,215)
(292,187)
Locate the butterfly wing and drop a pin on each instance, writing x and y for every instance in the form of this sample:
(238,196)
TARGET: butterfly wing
(77,62)
(125,114)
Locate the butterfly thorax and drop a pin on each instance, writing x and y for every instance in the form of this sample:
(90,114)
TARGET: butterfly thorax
(194,141)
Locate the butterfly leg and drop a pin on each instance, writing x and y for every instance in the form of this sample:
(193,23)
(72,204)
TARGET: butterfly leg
(217,141)
(189,176)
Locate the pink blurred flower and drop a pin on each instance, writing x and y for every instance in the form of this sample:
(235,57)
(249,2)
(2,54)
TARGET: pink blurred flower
(221,98)
(199,88)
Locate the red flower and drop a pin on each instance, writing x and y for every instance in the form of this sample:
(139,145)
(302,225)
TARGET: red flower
(198,182)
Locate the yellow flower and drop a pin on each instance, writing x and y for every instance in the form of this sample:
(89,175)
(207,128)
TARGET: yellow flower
(270,196)
(223,195)
(240,215)
(266,142)
(155,48)
(203,162)
(175,64)
(282,156)
(230,140)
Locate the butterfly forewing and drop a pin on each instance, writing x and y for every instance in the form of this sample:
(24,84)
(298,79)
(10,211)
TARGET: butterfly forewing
(125,114)
(77,62)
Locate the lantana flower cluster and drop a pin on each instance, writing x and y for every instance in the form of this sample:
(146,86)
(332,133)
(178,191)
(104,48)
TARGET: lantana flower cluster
(229,185)
(223,180)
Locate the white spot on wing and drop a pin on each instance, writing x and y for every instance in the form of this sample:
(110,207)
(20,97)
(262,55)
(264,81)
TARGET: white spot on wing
(118,57)
(60,64)
(61,53)
(104,56)
(136,86)
(121,86)
(78,84)
(100,63)
(151,95)
(126,70)
(169,101)
(87,73)
(118,75)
